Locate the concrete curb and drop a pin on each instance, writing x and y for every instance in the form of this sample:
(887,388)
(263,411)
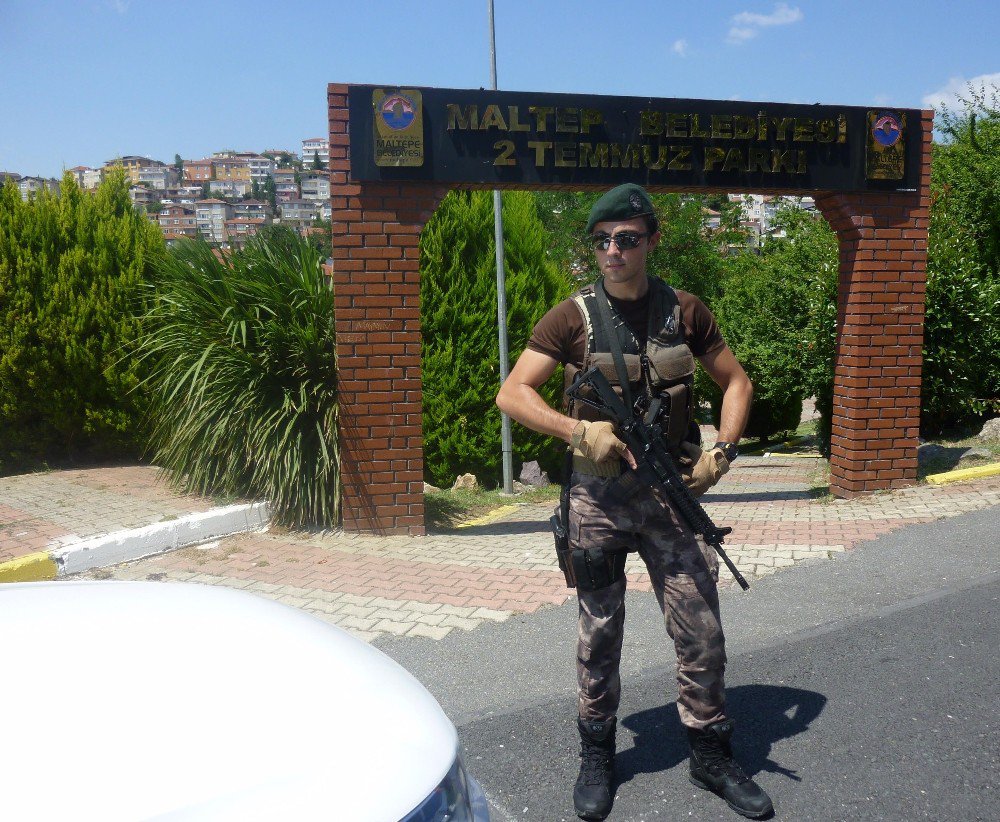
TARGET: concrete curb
(136,543)
(959,474)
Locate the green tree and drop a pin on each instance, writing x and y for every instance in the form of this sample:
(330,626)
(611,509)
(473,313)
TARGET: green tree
(458,314)
(777,312)
(243,380)
(72,267)
(179,165)
(961,372)
(688,255)
(269,193)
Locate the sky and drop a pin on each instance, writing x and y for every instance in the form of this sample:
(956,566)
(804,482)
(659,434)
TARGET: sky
(85,81)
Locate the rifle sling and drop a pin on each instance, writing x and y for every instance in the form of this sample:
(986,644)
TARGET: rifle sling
(604,309)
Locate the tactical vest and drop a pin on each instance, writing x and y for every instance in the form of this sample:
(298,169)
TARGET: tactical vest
(662,365)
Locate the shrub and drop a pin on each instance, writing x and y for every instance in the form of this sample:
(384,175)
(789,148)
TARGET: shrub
(71,271)
(460,353)
(778,314)
(244,376)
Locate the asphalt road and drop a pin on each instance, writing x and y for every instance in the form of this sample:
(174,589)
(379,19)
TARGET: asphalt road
(864,687)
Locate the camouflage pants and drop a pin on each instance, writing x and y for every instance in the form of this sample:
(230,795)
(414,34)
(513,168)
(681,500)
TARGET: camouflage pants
(684,572)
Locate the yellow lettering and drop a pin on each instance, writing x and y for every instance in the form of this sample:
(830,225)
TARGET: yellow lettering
(681,160)
(781,125)
(696,129)
(514,119)
(541,116)
(505,157)
(661,159)
(627,157)
(804,129)
(590,117)
(712,156)
(782,161)
(762,119)
(760,160)
(567,120)
(462,118)
(540,147)
(566,155)
(744,128)
(722,126)
(803,167)
(841,128)
(492,118)
(677,125)
(734,160)
(594,156)
(826,131)
(650,123)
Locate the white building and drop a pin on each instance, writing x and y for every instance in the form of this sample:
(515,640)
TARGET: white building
(159,177)
(315,147)
(30,186)
(315,185)
(211,216)
(231,189)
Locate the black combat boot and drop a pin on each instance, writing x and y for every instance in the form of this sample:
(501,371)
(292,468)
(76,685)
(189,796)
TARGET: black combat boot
(713,768)
(594,791)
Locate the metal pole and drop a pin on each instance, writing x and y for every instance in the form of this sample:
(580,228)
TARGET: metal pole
(506,442)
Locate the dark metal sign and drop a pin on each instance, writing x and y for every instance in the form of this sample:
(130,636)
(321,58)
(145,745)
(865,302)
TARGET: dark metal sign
(481,136)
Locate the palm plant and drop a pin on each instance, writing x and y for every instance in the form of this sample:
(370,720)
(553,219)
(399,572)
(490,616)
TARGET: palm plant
(244,375)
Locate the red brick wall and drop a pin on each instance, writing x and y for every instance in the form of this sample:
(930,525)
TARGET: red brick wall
(880,315)
(376,231)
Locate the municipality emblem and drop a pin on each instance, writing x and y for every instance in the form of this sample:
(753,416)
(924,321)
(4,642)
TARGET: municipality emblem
(887,130)
(397,112)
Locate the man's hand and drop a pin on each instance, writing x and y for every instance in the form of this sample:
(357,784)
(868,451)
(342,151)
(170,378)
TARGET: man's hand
(706,467)
(597,442)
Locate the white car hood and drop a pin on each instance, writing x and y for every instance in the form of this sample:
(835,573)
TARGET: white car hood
(141,700)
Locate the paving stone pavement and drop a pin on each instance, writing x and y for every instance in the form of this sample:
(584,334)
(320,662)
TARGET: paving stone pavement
(429,586)
(51,508)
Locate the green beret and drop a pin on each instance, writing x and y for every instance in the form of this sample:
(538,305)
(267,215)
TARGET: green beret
(623,202)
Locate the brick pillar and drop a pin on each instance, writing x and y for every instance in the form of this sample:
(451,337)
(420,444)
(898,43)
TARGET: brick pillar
(376,232)
(880,315)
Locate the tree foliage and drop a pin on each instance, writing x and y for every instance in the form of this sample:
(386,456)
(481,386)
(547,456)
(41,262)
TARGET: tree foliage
(72,267)
(961,374)
(243,377)
(777,312)
(460,351)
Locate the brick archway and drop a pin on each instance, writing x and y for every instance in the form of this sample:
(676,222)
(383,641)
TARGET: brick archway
(376,232)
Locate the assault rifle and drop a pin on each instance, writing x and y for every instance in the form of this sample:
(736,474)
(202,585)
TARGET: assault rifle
(654,465)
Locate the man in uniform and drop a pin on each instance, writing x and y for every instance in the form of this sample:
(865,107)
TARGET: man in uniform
(658,332)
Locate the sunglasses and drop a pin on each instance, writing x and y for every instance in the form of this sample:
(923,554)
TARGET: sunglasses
(623,239)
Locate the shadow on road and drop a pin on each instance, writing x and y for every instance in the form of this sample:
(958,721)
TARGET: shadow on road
(764,714)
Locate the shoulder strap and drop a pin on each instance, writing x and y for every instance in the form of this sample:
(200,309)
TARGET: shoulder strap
(604,309)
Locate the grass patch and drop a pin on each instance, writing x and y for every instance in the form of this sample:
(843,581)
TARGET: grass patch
(447,509)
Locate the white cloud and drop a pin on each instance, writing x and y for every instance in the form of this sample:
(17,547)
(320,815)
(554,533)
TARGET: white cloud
(947,95)
(680,48)
(747,24)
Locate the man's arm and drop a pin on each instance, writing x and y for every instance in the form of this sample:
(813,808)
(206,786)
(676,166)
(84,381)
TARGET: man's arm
(520,400)
(737,392)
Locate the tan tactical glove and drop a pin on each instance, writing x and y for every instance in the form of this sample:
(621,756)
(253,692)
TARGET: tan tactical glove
(597,441)
(702,469)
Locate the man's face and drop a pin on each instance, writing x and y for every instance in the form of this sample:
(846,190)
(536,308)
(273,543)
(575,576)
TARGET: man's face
(624,265)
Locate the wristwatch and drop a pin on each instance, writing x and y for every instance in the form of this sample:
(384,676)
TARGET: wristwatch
(728,449)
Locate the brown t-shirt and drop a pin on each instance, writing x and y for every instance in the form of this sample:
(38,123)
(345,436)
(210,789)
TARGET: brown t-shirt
(561,333)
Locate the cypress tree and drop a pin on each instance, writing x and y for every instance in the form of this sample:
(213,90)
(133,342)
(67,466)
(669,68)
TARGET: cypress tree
(460,351)
(71,266)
